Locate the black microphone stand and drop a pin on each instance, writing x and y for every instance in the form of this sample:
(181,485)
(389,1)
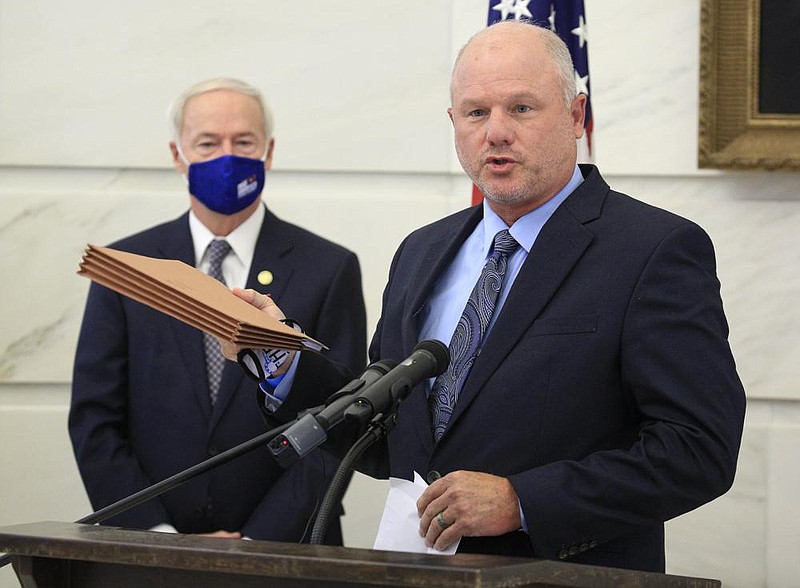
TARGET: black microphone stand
(379,427)
(169,483)
(181,477)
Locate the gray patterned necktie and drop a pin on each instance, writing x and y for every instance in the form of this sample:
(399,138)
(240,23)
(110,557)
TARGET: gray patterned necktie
(469,333)
(215,362)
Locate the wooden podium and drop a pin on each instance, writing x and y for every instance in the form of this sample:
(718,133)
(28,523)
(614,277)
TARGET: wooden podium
(68,554)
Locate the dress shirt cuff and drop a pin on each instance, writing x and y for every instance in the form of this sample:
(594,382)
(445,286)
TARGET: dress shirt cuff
(277,389)
(164,528)
(524,526)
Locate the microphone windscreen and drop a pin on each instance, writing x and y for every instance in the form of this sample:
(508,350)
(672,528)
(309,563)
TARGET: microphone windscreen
(438,350)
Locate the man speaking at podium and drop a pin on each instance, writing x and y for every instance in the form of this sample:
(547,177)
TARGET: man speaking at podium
(152,396)
(591,394)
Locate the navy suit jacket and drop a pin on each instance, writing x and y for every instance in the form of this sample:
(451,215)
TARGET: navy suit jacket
(140,403)
(606,391)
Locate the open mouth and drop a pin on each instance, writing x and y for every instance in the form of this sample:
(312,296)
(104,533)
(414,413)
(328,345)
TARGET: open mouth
(498,162)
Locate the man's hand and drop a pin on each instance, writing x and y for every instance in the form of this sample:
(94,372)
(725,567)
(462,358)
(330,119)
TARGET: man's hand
(262,302)
(467,504)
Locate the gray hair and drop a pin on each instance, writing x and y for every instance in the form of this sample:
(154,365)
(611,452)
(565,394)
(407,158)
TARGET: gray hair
(178,106)
(555,46)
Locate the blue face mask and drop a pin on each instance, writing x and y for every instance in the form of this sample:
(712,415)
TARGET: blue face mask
(227,184)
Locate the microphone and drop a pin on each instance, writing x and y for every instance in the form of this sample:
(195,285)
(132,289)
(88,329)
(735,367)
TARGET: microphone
(429,359)
(311,431)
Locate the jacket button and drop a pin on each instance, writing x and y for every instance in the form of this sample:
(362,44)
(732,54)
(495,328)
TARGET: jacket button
(432,476)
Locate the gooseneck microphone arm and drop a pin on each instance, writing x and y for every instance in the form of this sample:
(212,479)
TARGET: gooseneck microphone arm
(311,431)
(428,359)
(377,405)
(378,429)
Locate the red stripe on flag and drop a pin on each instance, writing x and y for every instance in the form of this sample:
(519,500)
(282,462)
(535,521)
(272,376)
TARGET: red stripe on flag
(477,196)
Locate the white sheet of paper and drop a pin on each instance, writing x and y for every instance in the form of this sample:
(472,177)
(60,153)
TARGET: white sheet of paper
(399,528)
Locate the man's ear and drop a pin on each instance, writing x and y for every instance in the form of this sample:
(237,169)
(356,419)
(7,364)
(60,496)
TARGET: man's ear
(177,160)
(578,111)
(268,159)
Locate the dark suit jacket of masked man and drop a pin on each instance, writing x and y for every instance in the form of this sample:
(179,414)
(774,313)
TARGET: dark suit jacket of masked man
(140,410)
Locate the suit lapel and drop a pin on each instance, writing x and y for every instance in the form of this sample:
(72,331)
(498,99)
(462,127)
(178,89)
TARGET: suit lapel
(177,244)
(561,243)
(271,254)
(439,254)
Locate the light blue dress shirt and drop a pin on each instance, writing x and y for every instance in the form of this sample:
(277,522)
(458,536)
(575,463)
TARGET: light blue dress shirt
(444,307)
(449,297)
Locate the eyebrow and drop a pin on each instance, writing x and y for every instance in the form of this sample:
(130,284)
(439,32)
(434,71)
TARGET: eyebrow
(205,135)
(210,135)
(515,98)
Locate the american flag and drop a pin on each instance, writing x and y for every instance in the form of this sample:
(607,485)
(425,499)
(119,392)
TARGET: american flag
(568,20)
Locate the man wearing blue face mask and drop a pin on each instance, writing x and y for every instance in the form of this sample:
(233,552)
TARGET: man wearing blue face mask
(152,396)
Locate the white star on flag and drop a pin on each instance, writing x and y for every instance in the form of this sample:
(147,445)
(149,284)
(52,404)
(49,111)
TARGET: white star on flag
(504,8)
(581,31)
(567,16)
(521,9)
(581,83)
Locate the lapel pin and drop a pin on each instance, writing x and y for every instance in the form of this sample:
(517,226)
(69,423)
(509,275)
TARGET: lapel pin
(265,277)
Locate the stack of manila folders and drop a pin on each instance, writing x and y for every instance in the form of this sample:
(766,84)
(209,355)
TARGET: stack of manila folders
(187,294)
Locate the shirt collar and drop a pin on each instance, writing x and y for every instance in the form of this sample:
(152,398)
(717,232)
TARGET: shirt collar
(527,227)
(242,239)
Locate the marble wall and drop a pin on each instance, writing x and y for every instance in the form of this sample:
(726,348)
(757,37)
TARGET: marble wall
(363,156)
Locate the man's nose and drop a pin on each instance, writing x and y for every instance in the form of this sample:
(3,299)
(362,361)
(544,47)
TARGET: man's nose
(499,130)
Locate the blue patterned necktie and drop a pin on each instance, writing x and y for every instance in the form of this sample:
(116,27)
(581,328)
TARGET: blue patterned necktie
(215,362)
(469,333)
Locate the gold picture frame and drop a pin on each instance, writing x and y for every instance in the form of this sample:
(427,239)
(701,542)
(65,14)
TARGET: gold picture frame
(733,134)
